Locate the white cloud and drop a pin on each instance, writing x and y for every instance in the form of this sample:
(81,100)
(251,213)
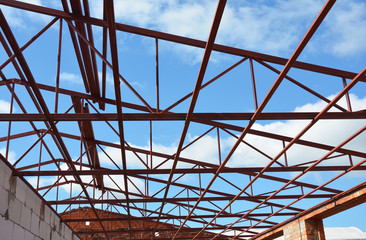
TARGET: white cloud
(71,78)
(346,29)
(258,26)
(273,27)
(108,182)
(4,106)
(330,132)
(19,18)
(11,155)
(109,77)
(344,233)
(43,181)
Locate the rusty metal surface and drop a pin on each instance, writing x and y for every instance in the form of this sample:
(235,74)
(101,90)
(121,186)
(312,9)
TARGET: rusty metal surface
(74,145)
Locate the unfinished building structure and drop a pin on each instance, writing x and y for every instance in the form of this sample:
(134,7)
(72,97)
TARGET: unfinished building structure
(89,154)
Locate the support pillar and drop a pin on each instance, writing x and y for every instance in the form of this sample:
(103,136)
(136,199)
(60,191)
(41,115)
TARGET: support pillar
(310,229)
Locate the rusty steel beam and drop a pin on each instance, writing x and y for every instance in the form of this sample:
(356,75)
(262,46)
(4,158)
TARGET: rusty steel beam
(23,63)
(201,74)
(261,206)
(182,199)
(180,116)
(218,124)
(87,133)
(314,26)
(109,8)
(181,40)
(343,201)
(107,219)
(186,170)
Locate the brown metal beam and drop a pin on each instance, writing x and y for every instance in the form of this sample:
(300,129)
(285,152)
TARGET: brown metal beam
(179,116)
(181,40)
(182,199)
(339,203)
(246,170)
(107,219)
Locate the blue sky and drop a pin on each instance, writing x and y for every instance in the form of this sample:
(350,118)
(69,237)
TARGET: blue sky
(271,27)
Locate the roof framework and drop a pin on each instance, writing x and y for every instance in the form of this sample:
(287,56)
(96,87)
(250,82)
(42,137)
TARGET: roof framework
(225,199)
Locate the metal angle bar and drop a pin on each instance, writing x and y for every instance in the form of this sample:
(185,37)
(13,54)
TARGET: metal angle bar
(35,130)
(95,51)
(77,50)
(206,84)
(181,40)
(78,94)
(218,124)
(206,164)
(8,33)
(117,218)
(316,23)
(168,229)
(180,116)
(201,74)
(133,172)
(113,48)
(186,199)
(314,164)
(253,84)
(92,53)
(301,85)
(359,189)
(85,53)
(30,41)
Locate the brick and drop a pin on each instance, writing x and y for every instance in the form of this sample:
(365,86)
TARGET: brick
(47,215)
(7,176)
(2,170)
(6,229)
(30,200)
(15,209)
(28,236)
(43,226)
(37,207)
(21,190)
(18,232)
(35,224)
(3,200)
(26,216)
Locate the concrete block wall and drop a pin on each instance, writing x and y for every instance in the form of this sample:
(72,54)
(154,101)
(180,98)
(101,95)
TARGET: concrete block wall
(23,216)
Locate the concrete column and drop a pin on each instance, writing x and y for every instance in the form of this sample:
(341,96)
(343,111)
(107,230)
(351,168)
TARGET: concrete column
(310,229)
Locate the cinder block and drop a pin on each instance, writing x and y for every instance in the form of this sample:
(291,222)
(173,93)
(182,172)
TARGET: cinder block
(30,199)
(2,174)
(56,236)
(6,229)
(21,190)
(57,223)
(43,226)
(28,236)
(37,207)
(18,232)
(47,215)
(15,209)
(7,175)
(48,231)
(35,224)
(25,218)
(3,200)
(68,233)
